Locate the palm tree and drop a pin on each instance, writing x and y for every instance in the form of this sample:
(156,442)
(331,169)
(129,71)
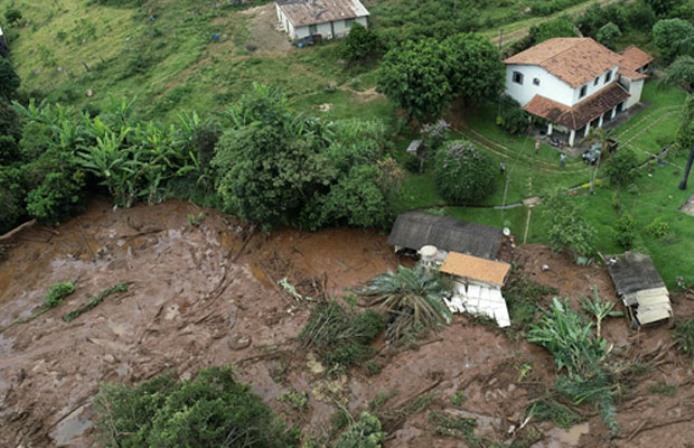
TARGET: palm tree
(413,298)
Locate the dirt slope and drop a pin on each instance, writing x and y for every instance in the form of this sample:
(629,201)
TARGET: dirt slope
(207,294)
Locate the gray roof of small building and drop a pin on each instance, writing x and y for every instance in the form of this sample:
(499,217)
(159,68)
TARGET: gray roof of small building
(633,272)
(412,230)
(311,12)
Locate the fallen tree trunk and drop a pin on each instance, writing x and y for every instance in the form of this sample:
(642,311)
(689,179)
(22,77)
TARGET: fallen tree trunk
(16,230)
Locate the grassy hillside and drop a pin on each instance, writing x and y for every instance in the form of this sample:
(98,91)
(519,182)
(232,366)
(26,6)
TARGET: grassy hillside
(171,62)
(163,51)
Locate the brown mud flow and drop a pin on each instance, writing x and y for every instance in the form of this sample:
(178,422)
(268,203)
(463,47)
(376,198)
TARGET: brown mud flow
(204,291)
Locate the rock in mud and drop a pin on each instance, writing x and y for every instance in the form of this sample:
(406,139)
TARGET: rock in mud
(239,342)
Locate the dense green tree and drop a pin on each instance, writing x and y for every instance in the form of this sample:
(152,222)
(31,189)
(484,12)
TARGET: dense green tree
(640,16)
(512,118)
(11,197)
(674,37)
(415,76)
(463,174)
(608,35)
(476,71)
(561,27)
(620,169)
(681,73)
(355,200)
(9,80)
(663,8)
(213,410)
(568,229)
(10,134)
(55,186)
(597,16)
(362,45)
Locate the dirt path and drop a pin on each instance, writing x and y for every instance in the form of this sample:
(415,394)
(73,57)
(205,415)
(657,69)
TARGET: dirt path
(207,294)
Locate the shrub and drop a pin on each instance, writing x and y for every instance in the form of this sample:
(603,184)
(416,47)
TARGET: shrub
(684,337)
(674,37)
(340,336)
(13,15)
(9,80)
(512,118)
(608,35)
(625,232)
(567,226)
(464,175)
(366,433)
(657,228)
(57,293)
(361,45)
(11,198)
(212,410)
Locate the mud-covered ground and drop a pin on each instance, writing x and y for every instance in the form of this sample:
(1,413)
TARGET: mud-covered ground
(204,291)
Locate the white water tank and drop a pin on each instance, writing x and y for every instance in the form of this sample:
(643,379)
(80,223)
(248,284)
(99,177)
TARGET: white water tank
(428,255)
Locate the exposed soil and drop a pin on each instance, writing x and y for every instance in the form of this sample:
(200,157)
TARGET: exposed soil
(207,294)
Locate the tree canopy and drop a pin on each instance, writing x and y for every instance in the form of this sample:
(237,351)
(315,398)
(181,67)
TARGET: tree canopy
(568,229)
(423,77)
(213,410)
(463,174)
(681,73)
(361,45)
(9,80)
(476,71)
(415,76)
(276,166)
(674,37)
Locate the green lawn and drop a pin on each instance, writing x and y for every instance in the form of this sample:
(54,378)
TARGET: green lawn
(653,195)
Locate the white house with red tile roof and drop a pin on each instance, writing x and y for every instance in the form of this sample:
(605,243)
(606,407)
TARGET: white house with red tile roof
(575,83)
(329,18)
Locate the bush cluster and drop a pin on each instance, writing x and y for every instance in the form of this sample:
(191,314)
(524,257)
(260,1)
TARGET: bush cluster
(341,336)
(463,174)
(213,410)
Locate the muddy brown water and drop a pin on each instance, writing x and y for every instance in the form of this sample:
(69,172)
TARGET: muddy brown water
(195,299)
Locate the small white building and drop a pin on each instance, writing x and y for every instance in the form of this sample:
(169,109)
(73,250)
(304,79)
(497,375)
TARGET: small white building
(329,18)
(476,285)
(575,83)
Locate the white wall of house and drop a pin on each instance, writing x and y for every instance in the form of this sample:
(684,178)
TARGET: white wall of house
(549,85)
(593,87)
(328,30)
(634,88)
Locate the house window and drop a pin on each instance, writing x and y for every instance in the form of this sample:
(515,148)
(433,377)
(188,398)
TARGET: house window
(608,76)
(536,81)
(597,80)
(313,29)
(348,23)
(583,92)
(518,78)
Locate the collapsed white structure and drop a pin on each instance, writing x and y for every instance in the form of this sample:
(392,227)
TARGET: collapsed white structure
(476,285)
